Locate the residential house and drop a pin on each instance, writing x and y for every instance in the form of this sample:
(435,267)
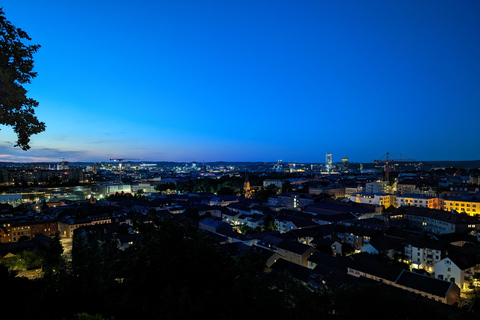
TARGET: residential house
(212,225)
(435,289)
(389,246)
(222,201)
(295,252)
(285,223)
(461,266)
(215,211)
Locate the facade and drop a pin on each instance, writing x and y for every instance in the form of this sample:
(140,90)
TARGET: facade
(376,199)
(345,164)
(66,228)
(290,200)
(414,200)
(276,182)
(377,187)
(409,186)
(108,189)
(328,162)
(437,221)
(470,207)
(459,272)
(423,253)
(223,201)
(295,252)
(211,225)
(429,287)
(12,231)
(143,187)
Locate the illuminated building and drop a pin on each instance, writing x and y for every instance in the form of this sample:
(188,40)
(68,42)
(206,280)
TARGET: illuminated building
(63,165)
(470,207)
(108,189)
(460,268)
(377,187)
(246,186)
(329,162)
(345,164)
(376,199)
(414,200)
(436,221)
(12,231)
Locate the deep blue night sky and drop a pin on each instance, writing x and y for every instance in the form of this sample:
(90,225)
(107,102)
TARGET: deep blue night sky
(252,80)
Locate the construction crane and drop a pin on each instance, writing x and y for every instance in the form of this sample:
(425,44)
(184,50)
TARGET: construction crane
(120,164)
(389,157)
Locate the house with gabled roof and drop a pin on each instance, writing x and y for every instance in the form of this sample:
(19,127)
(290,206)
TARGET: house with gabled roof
(460,266)
(367,266)
(252,220)
(212,225)
(297,271)
(435,289)
(215,211)
(295,252)
(384,244)
(286,223)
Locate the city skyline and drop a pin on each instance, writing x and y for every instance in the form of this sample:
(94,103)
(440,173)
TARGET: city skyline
(223,81)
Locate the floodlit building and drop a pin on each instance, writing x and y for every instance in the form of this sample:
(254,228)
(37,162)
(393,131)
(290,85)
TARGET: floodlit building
(470,207)
(328,162)
(108,189)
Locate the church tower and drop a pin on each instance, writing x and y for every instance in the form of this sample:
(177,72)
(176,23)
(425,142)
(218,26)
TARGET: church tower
(246,184)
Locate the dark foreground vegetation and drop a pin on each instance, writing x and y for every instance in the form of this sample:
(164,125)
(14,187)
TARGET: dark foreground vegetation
(177,272)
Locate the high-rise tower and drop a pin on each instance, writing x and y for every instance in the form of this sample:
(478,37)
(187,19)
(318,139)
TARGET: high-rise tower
(329,162)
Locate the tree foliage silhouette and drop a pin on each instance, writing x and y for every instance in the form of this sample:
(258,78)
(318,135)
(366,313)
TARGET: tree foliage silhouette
(16,69)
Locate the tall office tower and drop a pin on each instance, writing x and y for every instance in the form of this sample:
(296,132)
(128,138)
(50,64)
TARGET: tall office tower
(329,162)
(344,164)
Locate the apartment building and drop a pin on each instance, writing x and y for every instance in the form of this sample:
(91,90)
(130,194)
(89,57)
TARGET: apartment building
(470,207)
(413,200)
(377,199)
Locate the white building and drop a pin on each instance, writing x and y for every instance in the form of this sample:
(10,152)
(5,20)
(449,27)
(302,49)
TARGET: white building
(414,200)
(144,187)
(377,187)
(459,268)
(328,162)
(108,189)
(376,199)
